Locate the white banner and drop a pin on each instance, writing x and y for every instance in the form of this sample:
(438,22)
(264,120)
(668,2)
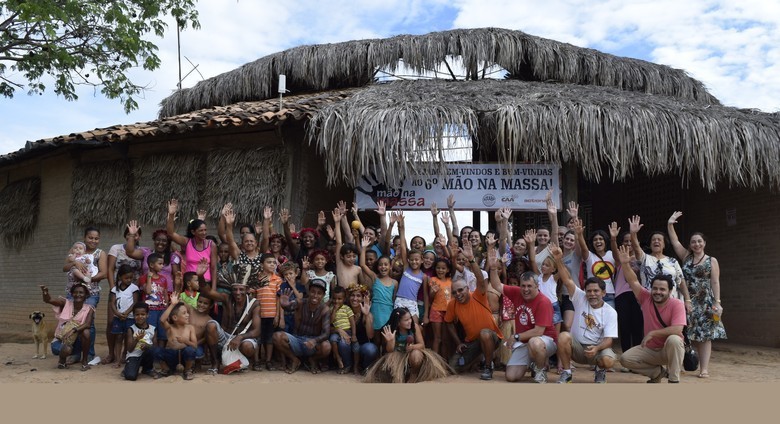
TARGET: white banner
(520,187)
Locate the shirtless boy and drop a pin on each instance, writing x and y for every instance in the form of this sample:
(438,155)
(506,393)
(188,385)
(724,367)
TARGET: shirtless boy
(182,341)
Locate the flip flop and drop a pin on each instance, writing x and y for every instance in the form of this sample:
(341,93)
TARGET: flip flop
(62,366)
(342,370)
(270,366)
(85,367)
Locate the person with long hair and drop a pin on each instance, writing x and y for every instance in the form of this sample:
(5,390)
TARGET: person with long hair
(702,273)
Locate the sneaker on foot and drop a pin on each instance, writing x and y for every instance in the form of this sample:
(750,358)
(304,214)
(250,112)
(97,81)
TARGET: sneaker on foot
(565,377)
(540,374)
(659,377)
(600,376)
(487,373)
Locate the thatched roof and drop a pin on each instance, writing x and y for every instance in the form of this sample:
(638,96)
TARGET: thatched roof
(355,63)
(19,204)
(595,127)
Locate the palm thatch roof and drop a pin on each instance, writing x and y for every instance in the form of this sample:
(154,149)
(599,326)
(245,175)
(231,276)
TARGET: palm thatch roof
(100,194)
(372,132)
(19,204)
(355,64)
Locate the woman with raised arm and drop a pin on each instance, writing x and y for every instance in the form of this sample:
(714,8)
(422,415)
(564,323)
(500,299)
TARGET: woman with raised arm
(248,253)
(657,262)
(572,258)
(599,261)
(702,273)
(195,246)
(630,321)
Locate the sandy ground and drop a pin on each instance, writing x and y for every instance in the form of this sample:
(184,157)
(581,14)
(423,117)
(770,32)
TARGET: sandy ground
(731,363)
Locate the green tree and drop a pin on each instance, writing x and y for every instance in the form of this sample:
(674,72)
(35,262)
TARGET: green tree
(83,42)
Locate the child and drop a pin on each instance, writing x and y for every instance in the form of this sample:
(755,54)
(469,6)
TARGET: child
(371,257)
(123,296)
(297,290)
(412,278)
(346,270)
(270,310)
(383,289)
(190,294)
(199,314)
(140,343)
(406,359)
(77,254)
(342,320)
(441,286)
(155,294)
(315,267)
(182,342)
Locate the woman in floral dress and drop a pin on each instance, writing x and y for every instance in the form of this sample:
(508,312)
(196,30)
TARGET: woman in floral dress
(702,274)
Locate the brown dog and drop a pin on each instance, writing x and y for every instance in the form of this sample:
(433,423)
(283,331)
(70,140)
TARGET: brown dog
(40,334)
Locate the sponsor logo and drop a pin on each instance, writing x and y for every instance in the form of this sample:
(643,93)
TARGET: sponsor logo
(488,200)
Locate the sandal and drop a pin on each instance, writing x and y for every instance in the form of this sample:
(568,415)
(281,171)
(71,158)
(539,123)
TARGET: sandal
(342,370)
(704,374)
(85,367)
(62,365)
(270,366)
(257,367)
(188,375)
(212,371)
(294,367)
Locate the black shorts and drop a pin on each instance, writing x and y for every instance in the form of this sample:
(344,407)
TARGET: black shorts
(266,330)
(566,304)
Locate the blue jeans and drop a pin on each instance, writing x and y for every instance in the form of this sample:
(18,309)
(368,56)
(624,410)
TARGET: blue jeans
(298,347)
(610,299)
(171,356)
(368,353)
(345,349)
(154,319)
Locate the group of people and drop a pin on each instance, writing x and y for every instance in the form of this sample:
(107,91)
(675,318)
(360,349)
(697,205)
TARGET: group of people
(359,300)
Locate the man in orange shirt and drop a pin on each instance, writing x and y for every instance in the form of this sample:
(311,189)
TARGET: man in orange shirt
(473,311)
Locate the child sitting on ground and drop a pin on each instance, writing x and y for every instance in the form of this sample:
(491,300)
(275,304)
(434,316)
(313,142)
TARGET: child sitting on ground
(140,344)
(182,342)
(342,321)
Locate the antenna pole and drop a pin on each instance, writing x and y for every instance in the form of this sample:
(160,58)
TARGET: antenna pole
(178,50)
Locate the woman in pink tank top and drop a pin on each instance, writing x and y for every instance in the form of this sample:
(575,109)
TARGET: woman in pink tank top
(195,246)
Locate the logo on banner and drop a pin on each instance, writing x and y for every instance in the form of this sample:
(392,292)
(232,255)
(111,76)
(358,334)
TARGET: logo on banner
(488,200)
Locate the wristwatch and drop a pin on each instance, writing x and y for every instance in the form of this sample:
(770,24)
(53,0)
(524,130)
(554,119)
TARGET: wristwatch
(517,337)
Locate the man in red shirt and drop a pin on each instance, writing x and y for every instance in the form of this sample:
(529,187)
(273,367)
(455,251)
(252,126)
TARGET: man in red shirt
(536,337)
(664,318)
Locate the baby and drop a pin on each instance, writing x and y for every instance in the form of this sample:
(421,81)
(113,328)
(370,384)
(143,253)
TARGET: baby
(77,253)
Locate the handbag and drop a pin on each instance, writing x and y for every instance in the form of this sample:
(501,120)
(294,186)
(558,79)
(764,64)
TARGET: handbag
(690,357)
(232,359)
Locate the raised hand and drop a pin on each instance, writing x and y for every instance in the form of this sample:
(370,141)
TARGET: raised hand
(203,266)
(284,216)
(507,258)
(573,209)
(467,251)
(530,238)
(354,209)
(230,217)
(342,205)
(445,218)
(202,214)
(173,206)
(579,229)
(490,240)
(624,254)
(614,230)
(132,227)
(268,213)
(305,263)
(675,216)
(400,218)
(633,224)
(451,201)
(506,213)
(366,241)
(551,208)
(331,233)
(492,259)
(381,207)
(321,221)
(258,228)
(365,306)
(556,251)
(337,215)
(434,209)
(387,334)
(292,227)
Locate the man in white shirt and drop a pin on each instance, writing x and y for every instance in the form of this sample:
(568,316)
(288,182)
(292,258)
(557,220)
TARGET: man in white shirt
(594,327)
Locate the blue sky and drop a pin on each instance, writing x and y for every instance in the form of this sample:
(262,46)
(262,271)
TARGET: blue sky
(733,47)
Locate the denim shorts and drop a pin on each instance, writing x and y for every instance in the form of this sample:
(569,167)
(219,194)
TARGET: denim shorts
(298,347)
(120,327)
(154,319)
(557,317)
